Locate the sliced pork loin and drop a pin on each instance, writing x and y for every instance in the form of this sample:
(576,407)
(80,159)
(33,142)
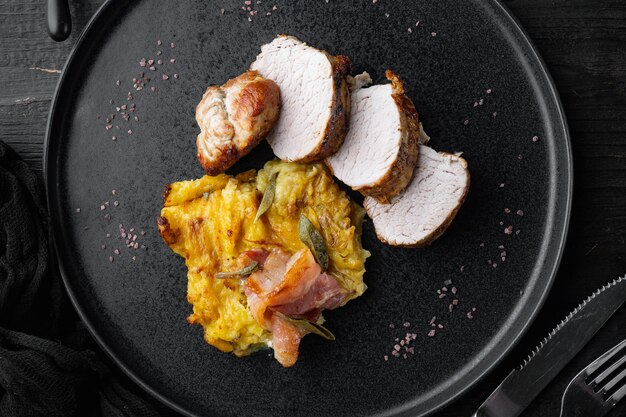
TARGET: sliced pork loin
(426,208)
(315,98)
(234,118)
(379,153)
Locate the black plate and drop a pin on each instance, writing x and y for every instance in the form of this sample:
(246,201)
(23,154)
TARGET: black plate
(137,309)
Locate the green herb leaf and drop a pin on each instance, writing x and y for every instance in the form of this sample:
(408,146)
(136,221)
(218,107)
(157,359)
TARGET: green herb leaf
(268,196)
(310,327)
(243,273)
(313,239)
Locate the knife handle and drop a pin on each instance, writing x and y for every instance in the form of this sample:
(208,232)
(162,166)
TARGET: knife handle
(59,20)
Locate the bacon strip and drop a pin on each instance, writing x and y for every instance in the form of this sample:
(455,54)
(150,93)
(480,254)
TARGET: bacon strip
(293,286)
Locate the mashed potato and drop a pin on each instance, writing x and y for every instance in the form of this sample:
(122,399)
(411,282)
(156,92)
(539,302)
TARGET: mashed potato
(210,223)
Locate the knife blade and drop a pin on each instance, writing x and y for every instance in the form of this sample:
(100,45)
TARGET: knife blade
(524,383)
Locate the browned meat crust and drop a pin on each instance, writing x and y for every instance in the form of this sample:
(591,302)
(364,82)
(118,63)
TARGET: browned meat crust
(234,118)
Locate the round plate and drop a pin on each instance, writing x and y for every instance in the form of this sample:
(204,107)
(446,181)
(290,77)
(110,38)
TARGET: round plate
(480,88)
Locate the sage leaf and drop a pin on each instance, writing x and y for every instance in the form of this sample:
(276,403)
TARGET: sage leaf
(310,327)
(243,273)
(313,240)
(268,196)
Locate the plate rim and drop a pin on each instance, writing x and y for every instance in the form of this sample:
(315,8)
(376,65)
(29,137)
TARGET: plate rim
(505,350)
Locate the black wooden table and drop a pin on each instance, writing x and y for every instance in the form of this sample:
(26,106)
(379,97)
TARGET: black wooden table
(584,45)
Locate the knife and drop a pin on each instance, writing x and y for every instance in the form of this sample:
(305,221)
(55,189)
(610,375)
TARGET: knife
(524,383)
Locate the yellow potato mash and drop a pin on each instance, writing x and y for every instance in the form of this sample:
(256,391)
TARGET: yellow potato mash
(210,223)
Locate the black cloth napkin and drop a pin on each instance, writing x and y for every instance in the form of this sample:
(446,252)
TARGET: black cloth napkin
(46,368)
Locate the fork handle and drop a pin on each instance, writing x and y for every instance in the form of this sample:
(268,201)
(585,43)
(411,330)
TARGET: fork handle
(59,20)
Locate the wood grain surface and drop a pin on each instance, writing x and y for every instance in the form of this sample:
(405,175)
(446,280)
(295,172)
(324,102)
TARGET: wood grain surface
(583,43)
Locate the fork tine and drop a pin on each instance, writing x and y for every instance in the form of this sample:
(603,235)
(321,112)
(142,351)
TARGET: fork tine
(619,394)
(605,358)
(619,379)
(601,379)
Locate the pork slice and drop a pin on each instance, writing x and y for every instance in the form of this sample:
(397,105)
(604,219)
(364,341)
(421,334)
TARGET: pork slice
(315,98)
(426,208)
(379,153)
(234,118)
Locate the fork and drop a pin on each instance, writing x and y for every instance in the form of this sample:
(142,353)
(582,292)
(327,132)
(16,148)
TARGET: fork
(598,387)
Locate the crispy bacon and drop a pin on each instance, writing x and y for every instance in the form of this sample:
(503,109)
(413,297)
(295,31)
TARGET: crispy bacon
(256,255)
(293,286)
(286,341)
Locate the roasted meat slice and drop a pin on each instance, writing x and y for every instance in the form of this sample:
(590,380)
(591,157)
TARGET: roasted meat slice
(426,208)
(379,153)
(234,118)
(315,96)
